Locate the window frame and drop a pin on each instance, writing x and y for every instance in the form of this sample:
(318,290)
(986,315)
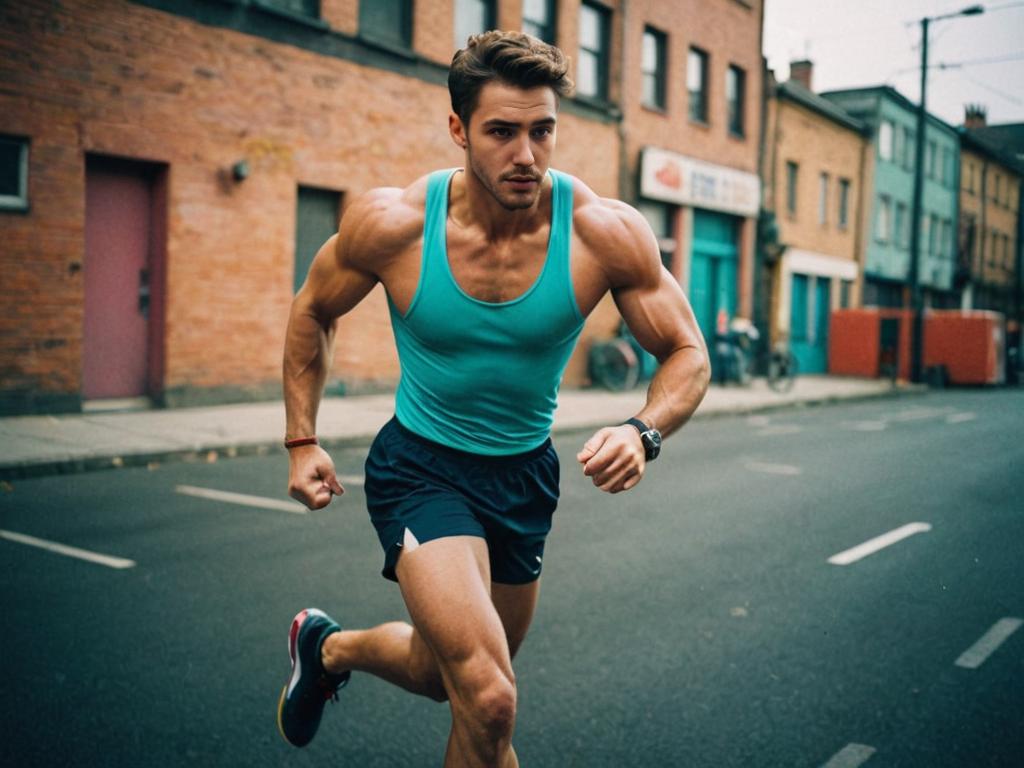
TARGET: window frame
(660,73)
(823,198)
(490,20)
(698,54)
(603,56)
(884,214)
(404,40)
(885,140)
(843,217)
(736,120)
(18,203)
(792,184)
(549,28)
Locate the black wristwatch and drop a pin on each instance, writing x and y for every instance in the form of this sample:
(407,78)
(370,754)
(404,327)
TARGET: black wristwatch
(649,436)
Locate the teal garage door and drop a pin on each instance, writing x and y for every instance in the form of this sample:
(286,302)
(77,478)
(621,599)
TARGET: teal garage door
(713,269)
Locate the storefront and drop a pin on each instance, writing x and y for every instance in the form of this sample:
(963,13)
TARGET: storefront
(706,214)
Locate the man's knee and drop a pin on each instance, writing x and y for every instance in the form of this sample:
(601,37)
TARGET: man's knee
(488,698)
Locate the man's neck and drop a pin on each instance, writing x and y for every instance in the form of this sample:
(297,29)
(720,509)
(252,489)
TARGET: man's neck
(472,205)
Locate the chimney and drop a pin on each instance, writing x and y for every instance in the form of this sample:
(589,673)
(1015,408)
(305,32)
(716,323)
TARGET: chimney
(974,116)
(801,71)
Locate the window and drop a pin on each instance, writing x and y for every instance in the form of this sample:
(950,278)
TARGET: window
(844,203)
(387,21)
(845,288)
(697,84)
(933,235)
(898,145)
(592,69)
(882,224)
(791,175)
(652,65)
(929,159)
(735,96)
(910,146)
(999,188)
(316,218)
(659,216)
(823,199)
(885,140)
(13,174)
(539,19)
(901,230)
(471,18)
(309,8)
(970,178)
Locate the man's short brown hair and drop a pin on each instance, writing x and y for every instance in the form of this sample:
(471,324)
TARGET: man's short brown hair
(512,58)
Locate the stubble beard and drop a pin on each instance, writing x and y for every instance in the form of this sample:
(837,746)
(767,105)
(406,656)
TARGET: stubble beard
(516,203)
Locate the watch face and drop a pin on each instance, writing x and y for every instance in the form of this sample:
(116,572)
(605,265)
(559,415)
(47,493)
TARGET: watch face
(652,443)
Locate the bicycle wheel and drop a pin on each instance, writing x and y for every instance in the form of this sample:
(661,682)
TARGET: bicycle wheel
(782,371)
(613,365)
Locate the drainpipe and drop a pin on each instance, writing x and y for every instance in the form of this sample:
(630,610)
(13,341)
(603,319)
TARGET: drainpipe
(628,189)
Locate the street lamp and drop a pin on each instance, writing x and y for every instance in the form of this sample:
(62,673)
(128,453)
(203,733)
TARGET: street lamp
(916,297)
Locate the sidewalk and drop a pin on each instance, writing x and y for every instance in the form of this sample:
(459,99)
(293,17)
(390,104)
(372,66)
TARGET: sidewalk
(31,446)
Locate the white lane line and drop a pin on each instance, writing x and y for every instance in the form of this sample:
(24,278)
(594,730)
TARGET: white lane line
(850,756)
(865,426)
(917,414)
(64,549)
(871,546)
(351,479)
(758,420)
(960,418)
(787,470)
(780,429)
(242,498)
(975,656)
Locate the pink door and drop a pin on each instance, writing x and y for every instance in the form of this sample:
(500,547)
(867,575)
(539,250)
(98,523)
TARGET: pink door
(118,207)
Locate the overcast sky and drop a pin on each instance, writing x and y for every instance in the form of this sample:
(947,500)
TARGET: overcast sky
(855,43)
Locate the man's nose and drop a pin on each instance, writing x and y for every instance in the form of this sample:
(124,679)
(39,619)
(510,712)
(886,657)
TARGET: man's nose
(524,154)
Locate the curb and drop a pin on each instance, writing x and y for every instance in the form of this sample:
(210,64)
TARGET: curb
(215,451)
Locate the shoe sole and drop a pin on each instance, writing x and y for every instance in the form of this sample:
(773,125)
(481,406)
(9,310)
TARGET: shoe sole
(293,636)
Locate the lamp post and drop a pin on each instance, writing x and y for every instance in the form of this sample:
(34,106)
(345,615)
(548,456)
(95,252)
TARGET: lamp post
(916,296)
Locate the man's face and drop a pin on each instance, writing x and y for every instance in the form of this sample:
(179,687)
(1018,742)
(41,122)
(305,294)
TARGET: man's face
(509,141)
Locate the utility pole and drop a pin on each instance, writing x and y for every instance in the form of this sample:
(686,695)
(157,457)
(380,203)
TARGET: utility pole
(914,273)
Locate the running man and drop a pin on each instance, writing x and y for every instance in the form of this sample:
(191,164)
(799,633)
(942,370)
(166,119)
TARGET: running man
(489,270)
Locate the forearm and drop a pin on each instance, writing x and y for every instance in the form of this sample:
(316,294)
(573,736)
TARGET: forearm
(307,360)
(676,389)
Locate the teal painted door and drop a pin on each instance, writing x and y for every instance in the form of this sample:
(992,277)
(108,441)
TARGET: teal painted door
(713,269)
(809,313)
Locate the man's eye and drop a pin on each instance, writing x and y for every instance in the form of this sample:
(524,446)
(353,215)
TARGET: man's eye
(541,132)
(503,132)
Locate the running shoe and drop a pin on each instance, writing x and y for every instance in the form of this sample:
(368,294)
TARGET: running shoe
(310,686)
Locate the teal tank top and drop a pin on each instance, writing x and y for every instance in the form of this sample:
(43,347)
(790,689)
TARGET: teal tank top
(483,376)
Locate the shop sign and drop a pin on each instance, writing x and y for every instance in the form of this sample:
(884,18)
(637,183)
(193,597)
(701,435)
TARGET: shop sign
(683,180)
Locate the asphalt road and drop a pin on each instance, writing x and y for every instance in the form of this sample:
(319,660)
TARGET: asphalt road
(695,621)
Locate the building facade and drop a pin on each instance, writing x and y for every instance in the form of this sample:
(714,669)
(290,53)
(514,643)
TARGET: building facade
(691,97)
(816,163)
(176,164)
(891,117)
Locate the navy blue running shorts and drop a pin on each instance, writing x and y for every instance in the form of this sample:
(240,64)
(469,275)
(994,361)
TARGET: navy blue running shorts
(436,491)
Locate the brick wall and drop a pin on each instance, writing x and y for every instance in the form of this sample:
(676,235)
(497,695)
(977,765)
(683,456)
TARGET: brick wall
(116,78)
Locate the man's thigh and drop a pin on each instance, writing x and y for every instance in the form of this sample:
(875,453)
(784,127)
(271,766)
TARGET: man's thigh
(515,604)
(446,587)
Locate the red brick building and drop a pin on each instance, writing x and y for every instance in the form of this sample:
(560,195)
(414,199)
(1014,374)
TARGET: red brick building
(169,167)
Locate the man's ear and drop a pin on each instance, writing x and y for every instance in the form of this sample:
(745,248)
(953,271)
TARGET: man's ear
(457,130)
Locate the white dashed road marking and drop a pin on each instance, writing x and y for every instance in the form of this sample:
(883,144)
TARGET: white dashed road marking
(351,479)
(871,546)
(64,549)
(773,469)
(975,656)
(242,498)
(850,756)
(865,426)
(780,429)
(960,418)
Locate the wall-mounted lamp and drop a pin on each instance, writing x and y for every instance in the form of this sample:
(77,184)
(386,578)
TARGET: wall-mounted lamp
(240,170)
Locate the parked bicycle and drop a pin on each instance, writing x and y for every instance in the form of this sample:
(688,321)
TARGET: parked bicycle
(737,361)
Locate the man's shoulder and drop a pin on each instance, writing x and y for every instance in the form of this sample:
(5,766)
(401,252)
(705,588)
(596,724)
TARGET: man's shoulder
(608,227)
(384,220)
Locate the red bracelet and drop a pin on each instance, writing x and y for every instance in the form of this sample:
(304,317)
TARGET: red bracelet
(297,441)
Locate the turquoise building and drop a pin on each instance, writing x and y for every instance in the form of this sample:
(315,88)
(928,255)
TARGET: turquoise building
(892,120)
